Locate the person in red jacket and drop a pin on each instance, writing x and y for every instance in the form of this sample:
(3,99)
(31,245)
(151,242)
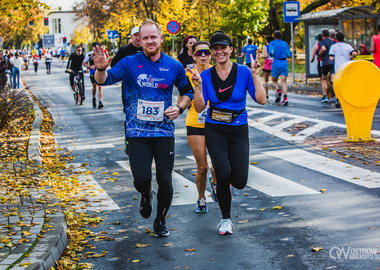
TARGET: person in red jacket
(375,47)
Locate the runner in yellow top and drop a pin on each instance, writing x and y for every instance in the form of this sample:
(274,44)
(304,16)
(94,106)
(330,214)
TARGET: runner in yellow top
(195,132)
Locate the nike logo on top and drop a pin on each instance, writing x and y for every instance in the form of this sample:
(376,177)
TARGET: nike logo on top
(222,90)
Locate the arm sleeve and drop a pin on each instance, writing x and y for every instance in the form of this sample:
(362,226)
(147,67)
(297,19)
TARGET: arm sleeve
(116,73)
(183,83)
(69,62)
(288,52)
(332,51)
(188,90)
(271,49)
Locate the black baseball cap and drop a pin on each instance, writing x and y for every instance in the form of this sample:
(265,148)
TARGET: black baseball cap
(220,38)
(95,44)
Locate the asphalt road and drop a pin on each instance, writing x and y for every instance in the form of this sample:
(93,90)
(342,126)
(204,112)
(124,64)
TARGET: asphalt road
(344,220)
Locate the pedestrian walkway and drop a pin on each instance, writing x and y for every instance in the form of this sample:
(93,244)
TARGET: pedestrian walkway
(32,225)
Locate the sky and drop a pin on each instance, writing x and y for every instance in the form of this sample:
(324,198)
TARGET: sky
(65,4)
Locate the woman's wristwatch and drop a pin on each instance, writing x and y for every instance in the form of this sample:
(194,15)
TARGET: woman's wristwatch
(180,109)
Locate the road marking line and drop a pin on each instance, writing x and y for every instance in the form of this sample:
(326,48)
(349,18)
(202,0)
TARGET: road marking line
(93,146)
(99,200)
(185,191)
(260,123)
(328,166)
(272,184)
(275,185)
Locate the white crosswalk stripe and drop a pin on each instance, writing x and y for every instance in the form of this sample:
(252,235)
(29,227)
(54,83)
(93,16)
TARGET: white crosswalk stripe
(275,185)
(272,184)
(261,123)
(185,191)
(99,199)
(92,146)
(331,167)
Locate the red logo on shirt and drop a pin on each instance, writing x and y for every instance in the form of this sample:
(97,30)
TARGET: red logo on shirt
(140,66)
(222,90)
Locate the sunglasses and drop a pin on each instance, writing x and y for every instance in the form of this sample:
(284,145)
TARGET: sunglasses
(207,52)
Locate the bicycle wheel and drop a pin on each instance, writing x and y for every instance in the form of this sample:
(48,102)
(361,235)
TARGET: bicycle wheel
(80,92)
(80,89)
(75,93)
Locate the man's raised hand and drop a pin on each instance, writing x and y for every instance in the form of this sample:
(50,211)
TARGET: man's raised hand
(100,59)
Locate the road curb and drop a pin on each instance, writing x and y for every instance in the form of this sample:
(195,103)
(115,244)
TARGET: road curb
(49,249)
(34,147)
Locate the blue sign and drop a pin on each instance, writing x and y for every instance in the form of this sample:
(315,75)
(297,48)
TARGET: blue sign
(36,46)
(173,27)
(112,34)
(291,11)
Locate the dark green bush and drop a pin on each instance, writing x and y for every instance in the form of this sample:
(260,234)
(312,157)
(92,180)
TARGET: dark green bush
(12,105)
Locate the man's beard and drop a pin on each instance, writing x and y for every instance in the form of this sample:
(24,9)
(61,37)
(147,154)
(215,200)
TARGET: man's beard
(152,53)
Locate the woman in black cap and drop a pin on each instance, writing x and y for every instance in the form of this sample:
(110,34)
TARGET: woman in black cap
(225,87)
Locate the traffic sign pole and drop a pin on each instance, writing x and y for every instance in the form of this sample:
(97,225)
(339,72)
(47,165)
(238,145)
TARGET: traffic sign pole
(291,13)
(291,31)
(173,28)
(173,45)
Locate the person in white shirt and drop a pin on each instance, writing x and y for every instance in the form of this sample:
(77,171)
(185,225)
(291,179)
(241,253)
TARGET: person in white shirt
(48,58)
(341,52)
(17,63)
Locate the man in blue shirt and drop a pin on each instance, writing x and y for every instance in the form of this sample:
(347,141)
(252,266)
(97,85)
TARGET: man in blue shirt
(148,79)
(249,50)
(280,50)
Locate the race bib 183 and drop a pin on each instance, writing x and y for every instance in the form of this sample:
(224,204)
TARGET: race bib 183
(150,110)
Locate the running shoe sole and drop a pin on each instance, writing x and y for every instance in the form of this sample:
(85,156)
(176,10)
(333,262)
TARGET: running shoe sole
(226,233)
(278,97)
(157,235)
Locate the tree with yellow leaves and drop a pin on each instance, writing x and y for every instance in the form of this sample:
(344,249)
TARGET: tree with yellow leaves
(14,22)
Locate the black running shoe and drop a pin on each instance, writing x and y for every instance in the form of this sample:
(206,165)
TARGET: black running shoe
(145,204)
(100,105)
(94,102)
(337,104)
(278,96)
(160,229)
(81,100)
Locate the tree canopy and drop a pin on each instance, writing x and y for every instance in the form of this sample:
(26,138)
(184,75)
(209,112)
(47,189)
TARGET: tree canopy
(240,18)
(21,22)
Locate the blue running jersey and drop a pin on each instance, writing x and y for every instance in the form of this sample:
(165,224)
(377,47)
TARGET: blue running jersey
(244,83)
(148,88)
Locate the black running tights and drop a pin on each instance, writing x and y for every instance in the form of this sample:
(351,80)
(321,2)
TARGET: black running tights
(228,147)
(141,154)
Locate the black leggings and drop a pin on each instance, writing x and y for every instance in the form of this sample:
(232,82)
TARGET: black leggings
(141,154)
(228,147)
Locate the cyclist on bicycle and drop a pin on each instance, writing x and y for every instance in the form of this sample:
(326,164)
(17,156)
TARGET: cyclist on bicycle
(75,64)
